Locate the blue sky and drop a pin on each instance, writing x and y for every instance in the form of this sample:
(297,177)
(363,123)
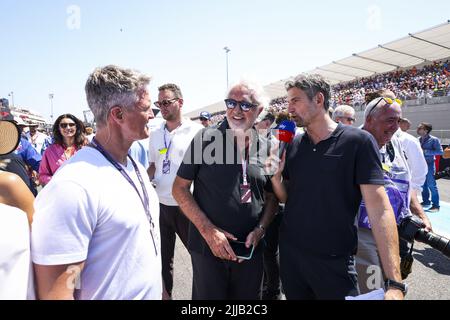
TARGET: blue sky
(47,47)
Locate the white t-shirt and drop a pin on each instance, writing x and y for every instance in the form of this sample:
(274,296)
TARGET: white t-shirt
(16,282)
(37,141)
(179,140)
(415,158)
(89,212)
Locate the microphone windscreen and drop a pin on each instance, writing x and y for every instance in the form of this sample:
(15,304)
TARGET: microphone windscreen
(286,131)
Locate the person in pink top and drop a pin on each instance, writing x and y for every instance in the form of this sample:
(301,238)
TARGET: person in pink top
(68,139)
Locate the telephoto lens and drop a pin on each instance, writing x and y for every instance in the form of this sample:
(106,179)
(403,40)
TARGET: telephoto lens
(412,228)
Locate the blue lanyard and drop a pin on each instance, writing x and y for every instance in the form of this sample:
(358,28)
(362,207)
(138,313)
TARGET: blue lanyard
(145,201)
(167,147)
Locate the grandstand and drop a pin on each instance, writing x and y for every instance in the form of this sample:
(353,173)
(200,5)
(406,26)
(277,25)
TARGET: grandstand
(415,67)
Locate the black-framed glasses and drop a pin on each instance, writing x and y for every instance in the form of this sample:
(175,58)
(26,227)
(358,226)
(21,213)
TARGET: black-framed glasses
(165,103)
(245,106)
(388,101)
(65,125)
(350,119)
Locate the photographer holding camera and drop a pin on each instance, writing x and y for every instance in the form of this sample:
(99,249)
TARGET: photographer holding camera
(382,117)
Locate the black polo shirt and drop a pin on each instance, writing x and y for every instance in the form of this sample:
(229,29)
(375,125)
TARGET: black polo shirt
(324,193)
(16,165)
(217,183)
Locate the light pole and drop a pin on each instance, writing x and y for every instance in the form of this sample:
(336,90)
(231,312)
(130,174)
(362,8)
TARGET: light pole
(227,50)
(11,94)
(50,96)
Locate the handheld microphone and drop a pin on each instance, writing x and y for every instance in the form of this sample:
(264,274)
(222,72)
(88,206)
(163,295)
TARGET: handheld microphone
(286,133)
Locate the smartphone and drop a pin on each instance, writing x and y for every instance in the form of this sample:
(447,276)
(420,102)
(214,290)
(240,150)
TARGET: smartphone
(241,251)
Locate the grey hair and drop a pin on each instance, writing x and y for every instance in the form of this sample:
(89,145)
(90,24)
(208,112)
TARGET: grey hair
(256,93)
(371,105)
(112,86)
(311,84)
(342,111)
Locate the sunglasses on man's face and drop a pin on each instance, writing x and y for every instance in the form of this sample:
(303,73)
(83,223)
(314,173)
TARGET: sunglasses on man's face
(165,103)
(65,125)
(388,101)
(245,106)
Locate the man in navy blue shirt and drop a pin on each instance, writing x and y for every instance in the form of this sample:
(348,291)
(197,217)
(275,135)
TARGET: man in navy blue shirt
(327,172)
(431,147)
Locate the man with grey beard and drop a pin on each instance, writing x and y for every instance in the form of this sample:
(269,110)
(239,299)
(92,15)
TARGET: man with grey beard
(230,192)
(322,179)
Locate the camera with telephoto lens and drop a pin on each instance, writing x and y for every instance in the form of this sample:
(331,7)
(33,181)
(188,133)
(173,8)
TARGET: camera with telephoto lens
(412,228)
(442,174)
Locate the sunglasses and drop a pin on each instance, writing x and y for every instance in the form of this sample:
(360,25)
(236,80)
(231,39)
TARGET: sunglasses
(165,103)
(388,101)
(245,106)
(65,125)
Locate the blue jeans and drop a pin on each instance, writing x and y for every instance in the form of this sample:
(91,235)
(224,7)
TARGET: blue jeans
(430,186)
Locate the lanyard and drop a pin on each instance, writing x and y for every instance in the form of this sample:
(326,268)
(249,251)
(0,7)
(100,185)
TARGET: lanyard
(245,166)
(167,147)
(145,201)
(244,171)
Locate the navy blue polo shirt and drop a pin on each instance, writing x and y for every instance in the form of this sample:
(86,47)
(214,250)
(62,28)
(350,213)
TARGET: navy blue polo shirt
(217,184)
(324,190)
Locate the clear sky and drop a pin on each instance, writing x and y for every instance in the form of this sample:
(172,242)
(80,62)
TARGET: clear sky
(50,46)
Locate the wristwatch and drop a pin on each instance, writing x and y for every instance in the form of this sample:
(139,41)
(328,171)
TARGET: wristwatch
(403,287)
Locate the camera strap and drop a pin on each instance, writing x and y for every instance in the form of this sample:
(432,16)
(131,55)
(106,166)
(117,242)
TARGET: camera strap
(407,262)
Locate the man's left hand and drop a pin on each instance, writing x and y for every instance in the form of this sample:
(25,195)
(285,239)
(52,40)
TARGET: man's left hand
(253,238)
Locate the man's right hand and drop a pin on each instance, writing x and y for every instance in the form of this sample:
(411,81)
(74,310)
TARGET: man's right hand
(217,240)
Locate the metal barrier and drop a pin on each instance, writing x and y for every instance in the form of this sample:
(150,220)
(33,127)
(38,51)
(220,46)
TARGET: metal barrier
(415,102)
(438,100)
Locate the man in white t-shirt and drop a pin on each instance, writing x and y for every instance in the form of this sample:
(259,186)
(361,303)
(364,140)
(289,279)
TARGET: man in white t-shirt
(38,140)
(168,144)
(96,226)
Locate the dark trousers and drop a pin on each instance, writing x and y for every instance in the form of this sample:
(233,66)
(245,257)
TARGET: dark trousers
(216,279)
(272,283)
(308,277)
(171,221)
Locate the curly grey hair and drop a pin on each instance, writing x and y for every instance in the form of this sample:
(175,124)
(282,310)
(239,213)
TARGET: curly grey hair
(256,93)
(113,86)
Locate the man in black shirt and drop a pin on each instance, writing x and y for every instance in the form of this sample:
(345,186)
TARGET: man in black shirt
(328,171)
(230,190)
(14,163)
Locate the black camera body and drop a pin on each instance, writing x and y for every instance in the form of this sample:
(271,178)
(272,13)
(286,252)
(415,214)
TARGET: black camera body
(412,228)
(442,174)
